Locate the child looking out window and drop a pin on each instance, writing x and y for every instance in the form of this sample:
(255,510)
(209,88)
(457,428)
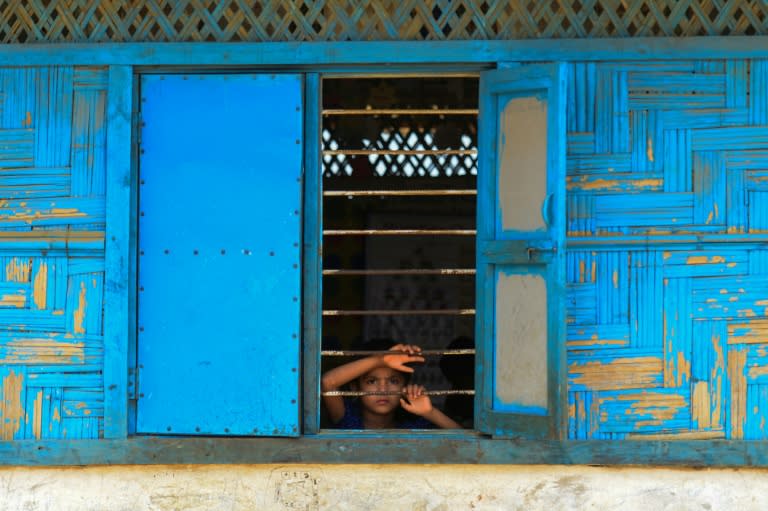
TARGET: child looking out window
(386,376)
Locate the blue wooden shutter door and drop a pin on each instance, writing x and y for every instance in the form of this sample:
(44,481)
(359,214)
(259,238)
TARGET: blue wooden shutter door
(219,254)
(521,191)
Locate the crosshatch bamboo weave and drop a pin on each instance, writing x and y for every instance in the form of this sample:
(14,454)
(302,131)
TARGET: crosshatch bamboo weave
(27,21)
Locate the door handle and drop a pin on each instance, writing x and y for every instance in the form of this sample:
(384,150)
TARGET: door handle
(546,209)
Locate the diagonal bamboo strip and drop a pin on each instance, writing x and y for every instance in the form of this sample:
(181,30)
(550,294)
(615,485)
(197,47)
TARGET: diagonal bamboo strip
(28,21)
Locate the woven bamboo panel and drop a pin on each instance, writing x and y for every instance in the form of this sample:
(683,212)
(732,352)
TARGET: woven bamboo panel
(52,220)
(24,21)
(665,340)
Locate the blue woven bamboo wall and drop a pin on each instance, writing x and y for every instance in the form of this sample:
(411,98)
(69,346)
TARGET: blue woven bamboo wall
(52,171)
(667,333)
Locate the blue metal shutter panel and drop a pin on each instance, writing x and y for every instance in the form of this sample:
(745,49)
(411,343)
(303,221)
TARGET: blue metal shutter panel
(219,254)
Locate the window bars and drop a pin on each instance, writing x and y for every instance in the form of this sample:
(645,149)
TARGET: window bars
(399,194)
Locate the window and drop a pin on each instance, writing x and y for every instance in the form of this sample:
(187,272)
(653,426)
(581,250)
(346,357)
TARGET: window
(417,242)
(514,261)
(399,195)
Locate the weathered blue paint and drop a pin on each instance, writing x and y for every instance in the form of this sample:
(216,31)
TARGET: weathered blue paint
(546,82)
(642,49)
(53,133)
(119,189)
(219,245)
(312,254)
(333,449)
(671,247)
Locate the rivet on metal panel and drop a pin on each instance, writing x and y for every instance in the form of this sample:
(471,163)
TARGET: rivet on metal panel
(293,336)
(195,252)
(271,253)
(246,251)
(273,77)
(141,394)
(141,182)
(223,251)
(141,288)
(162,77)
(295,299)
(295,244)
(293,401)
(185,77)
(294,429)
(142,151)
(298,141)
(166,251)
(114,238)
(143,124)
(295,211)
(143,100)
(141,329)
(141,252)
(168,428)
(293,369)
(298,180)
(276,431)
(226,430)
(295,265)
(197,429)
(142,213)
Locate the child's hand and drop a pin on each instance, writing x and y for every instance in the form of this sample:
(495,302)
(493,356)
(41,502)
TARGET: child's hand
(397,361)
(416,401)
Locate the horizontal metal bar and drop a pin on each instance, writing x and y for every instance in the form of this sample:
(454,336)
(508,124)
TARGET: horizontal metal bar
(383,193)
(405,152)
(399,232)
(407,71)
(412,312)
(437,271)
(355,353)
(401,111)
(357,393)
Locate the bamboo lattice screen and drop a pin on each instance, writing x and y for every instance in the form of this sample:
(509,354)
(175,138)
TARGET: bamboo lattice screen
(26,21)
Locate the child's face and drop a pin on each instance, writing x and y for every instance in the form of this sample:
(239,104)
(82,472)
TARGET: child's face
(382,379)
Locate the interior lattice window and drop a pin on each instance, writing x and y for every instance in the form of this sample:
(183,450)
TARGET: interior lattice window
(399,227)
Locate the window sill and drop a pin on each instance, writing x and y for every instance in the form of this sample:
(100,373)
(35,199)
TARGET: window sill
(429,448)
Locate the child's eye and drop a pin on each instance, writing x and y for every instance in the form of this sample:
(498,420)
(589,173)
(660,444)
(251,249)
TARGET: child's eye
(395,381)
(370,381)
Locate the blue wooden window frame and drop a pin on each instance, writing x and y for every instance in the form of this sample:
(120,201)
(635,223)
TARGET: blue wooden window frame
(125,60)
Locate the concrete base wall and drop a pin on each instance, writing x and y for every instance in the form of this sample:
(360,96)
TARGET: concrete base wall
(376,487)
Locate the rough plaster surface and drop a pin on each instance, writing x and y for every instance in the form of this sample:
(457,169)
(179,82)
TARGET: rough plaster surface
(382,487)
